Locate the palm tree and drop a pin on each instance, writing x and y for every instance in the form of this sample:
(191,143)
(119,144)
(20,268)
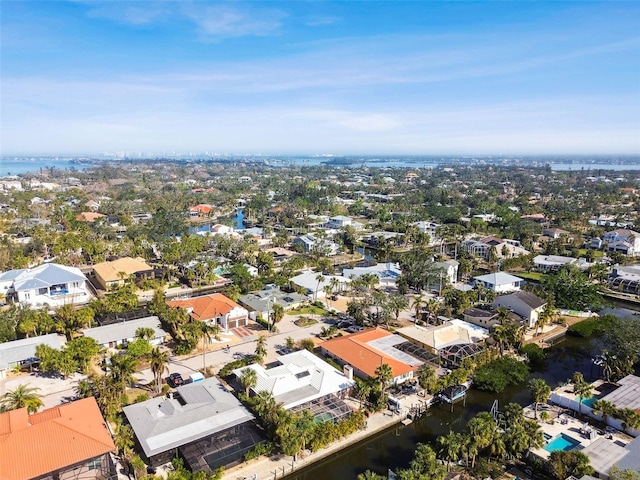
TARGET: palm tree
(605,408)
(319,278)
(122,369)
(417,303)
(384,374)
(248,379)
(159,362)
(261,349)
(277,314)
(361,390)
(21,397)
(582,390)
(540,392)
(450,447)
(630,418)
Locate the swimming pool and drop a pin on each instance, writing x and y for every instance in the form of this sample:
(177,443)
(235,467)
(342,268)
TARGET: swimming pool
(561,442)
(589,401)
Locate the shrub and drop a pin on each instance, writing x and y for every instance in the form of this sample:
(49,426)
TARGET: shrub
(497,375)
(535,354)
(229,367)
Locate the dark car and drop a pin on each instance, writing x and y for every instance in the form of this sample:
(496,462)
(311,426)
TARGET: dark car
(175,380)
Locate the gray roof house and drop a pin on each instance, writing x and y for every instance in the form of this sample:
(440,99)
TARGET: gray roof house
(525,304)
(15,353)
(49,285)
(202,421)
(123,332)
(262,301)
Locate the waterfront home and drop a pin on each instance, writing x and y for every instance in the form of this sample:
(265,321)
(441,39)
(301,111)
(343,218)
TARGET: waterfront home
(66,442)
(23,352)
(449,341)
(499,282)
(261,302)
(365,351)
(201,422)
(122,270)
(623,394)
(503,248)
(216,309)
(313,243)
(626,278)
(201,210)
(525,304)
(300,378)
(49,285)
(121,333)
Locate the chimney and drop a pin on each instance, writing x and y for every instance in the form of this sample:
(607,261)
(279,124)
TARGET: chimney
(348,371)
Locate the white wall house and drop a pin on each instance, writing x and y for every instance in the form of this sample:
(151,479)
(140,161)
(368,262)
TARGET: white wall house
(499,282)
(121,333)
(49,285)
(525,304)
(622,240)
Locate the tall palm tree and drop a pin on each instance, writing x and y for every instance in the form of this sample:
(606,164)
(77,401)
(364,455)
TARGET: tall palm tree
(417,303)
(540,392)
(384,374)
(604,408)
(22,396)
(319,278)
(277,314)
(582,390)
(450,447)
(159,362)
(261,349)
(248,379)
(122,369)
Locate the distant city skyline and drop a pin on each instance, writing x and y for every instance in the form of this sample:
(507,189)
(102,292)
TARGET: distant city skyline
(343,78)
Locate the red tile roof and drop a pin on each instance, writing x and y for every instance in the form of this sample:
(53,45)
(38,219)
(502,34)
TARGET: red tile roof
(201,208)
(354,350)
(206,307)
(35,445)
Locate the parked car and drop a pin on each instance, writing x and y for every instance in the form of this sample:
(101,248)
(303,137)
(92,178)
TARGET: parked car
(354,329)
(175,380)
(283,351)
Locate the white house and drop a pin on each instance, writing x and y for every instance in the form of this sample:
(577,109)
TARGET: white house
(388,273)
(19,352)
(430,229)
(622,240)
(122,333)
(499,282)
(449,270)
(311,243)
(49,285)
(339,221)
(525,304)
(552,263)
(309,281)
(300,378)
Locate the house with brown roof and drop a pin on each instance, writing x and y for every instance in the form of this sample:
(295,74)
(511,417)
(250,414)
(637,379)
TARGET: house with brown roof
(525,304)
(89,217)
(215,309)
(365,351)
(117,272)
(66,442)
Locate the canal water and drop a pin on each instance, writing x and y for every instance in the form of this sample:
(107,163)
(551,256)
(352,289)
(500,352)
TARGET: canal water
(394,447)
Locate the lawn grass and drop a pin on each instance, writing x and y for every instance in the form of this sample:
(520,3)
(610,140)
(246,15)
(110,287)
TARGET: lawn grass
(535,276)
(309,310)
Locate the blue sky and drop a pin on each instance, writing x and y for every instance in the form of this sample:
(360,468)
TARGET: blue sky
(320,77)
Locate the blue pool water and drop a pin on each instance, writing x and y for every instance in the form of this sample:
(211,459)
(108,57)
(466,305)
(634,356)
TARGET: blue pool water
(589,401)
(561,442)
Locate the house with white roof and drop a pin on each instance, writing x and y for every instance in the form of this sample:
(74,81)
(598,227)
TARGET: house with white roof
(622,240)
(552,263)
(50,285)
(201,422)
(314,288)
(388,273)
(122,333)
(499,282)
(299,378)
(313,243)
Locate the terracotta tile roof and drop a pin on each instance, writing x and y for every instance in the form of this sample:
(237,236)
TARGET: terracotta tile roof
(89,216)
(354,350)
(201,208)
(206,307)
(35,445)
